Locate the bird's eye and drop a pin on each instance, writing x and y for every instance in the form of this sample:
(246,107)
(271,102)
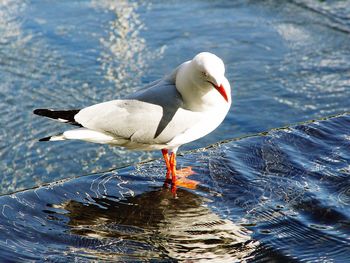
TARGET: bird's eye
(205,74)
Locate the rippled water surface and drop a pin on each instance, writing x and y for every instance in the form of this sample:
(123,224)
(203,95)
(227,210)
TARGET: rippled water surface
(282,195)
(287,62)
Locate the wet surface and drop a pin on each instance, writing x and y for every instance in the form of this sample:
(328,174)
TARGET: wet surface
(278,196)
(286,61)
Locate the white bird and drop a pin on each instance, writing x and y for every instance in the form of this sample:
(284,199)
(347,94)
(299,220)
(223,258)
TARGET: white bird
(179,108)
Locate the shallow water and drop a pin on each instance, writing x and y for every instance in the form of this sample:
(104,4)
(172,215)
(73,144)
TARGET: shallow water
(282,196)
(287,62)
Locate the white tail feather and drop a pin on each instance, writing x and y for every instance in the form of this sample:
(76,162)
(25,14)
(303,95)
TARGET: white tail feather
(59,137)
(85,135)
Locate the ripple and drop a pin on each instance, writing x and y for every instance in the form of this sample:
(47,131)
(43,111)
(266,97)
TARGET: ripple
(281,195)
(126,54)
(344,196)
(101,50)
(260,199)
(151,225)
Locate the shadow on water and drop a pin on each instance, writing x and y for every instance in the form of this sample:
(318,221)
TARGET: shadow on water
(283,195)
(154,225)
(150,225)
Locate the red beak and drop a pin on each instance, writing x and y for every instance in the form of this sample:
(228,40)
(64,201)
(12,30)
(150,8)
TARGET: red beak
(222,91)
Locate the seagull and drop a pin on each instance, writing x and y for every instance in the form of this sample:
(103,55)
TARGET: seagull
(177,109)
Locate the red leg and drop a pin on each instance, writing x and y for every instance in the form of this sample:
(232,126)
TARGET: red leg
(167,163)
(173,172)
(173,167)
(170,163)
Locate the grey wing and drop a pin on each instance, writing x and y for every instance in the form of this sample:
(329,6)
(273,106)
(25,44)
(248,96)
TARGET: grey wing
(145,117)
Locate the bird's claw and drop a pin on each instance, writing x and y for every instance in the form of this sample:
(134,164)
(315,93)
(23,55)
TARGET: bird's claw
(181,180)
(184,172)
(186,183)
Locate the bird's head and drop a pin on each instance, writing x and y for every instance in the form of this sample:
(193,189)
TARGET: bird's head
(209,72)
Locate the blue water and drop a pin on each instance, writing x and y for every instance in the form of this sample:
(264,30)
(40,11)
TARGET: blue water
(281,196)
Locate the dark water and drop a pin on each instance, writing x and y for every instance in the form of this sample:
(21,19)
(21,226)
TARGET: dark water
(282,196)
(287,61)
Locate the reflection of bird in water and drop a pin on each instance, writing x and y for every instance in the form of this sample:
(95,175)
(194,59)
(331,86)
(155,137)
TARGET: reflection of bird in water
(154,225)
(178,109)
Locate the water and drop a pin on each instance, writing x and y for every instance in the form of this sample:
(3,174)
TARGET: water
(287,62)
(279,196)
(259,197)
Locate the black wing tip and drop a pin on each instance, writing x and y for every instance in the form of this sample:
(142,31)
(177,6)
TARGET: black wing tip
(45,139)
(66,116)
(41,112)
